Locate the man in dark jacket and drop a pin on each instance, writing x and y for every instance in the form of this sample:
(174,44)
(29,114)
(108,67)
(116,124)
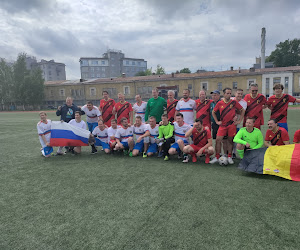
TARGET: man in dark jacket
(66,113)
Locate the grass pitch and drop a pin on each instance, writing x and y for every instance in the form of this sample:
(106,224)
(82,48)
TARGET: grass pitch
(117,202)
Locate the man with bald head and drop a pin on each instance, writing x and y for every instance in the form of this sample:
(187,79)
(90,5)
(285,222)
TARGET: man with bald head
(155,106)
(203,109)
(171,105)
(123,109)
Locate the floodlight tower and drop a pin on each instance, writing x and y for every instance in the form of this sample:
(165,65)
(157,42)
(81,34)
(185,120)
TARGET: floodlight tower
(263,50)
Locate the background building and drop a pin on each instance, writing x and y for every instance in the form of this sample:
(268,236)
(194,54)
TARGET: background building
(91,90)
(113,63)
(52,71)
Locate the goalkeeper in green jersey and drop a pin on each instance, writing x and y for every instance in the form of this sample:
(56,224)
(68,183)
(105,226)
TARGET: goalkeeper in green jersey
(248,137)
(166,131)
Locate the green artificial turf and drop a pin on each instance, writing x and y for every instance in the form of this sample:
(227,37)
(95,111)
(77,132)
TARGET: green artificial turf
(117,202)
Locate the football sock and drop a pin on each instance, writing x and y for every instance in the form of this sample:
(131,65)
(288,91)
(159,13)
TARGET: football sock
(241,153)
(218,156)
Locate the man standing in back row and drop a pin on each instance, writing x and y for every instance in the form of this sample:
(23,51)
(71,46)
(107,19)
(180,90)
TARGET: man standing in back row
(279,104)
(186,107)
(155,106)
(255,105)
(203,109)
(171,105)
(106,107)
(123,109)
(227,109)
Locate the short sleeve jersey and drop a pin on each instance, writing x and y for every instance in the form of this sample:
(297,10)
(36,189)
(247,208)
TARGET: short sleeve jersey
(44,129)
(254,108)
(279,107)
(123,110)
(154,132)
(203,111)
(112,131)
(138,131)
(278,137)
(124,133)
(187,109)
(140,110)
(297,136)
(180,131)
(101,134)
(227,111)
(171,108)
(80,124)
(91,115)
(107,107)
(200,138)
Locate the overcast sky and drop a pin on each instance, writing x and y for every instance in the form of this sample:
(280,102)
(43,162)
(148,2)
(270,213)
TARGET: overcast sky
(212,35)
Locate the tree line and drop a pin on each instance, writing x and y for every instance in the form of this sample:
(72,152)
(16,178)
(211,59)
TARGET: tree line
(19,86)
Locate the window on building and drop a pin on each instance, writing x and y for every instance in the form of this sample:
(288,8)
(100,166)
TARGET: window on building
(62,92)
(103,69)
(126,90)
(84,62)
(249,82)
(98,68)
(204,86)
(92,91)
(127,62)
(133,63)
(144,90)
(73,92)
(92,75)
(220,86)
(92,69)
(50,78)
(78,92)
(286,83)
(276,80)
(57,73)
(51,92)
(234,85)
(267,83)
(85,69)
(49,73)
(98,75)
(139,63)
(94,62)
(111,91)
(103,62)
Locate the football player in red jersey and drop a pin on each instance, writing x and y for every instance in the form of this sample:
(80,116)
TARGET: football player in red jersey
(279,104)
(171,105)
(203,109)
(276,135)
(227,109)
(255,104)
(123,109)
(106,107)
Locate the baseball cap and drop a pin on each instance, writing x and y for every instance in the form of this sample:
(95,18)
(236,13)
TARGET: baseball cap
(215,92)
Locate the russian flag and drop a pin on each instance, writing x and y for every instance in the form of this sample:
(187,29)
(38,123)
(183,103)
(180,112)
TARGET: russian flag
(64,134)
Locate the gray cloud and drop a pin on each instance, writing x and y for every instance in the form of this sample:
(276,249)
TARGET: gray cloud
(14,6)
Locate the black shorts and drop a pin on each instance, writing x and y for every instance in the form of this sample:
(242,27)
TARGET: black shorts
(214,129)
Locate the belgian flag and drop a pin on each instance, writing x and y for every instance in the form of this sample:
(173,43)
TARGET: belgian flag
(282,161)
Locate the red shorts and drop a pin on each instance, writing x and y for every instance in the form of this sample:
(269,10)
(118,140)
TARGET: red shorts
(196,147)
(230,131)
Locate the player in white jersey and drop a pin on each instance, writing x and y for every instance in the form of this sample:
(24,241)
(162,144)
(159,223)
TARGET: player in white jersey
(44,131)
(111,132)
(139,107)
(93,115)
(180,128)
(139,130)
(150,147)
(101,133)
(124,137)
(186,106)
(77,122)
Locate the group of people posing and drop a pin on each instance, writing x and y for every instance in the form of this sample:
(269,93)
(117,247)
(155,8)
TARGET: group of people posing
(169,127)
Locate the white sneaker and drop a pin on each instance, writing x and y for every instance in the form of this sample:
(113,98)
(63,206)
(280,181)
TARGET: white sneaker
(230,161)
(214,160)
